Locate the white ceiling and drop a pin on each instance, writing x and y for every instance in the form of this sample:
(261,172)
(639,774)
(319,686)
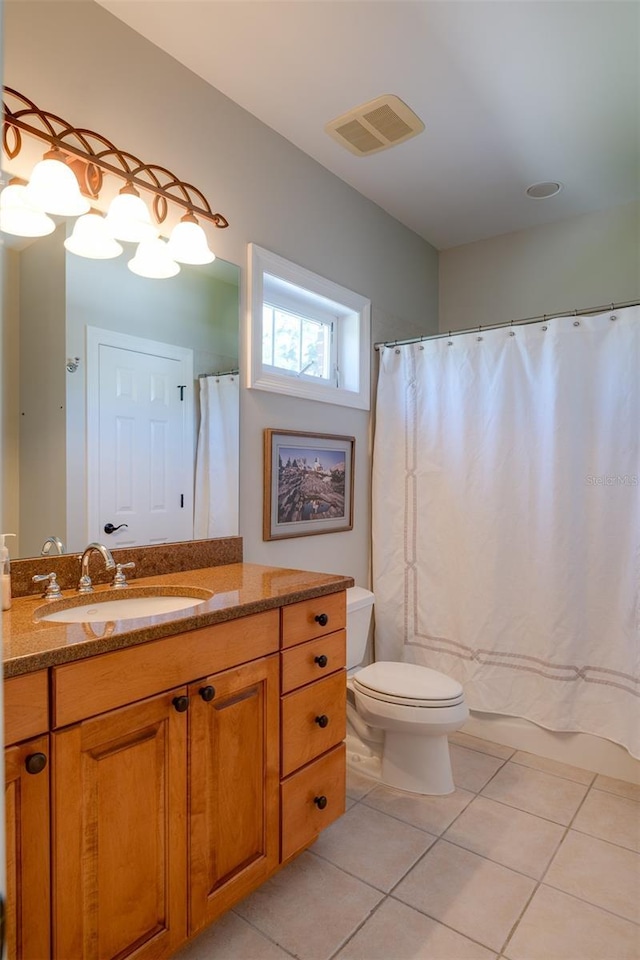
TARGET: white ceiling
(510,93)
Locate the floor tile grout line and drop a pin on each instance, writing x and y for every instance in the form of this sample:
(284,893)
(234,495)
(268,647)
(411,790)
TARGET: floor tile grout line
(483,856)
(441,922)
(590,903)
(608,793)
(257,929)
(612,793)
(613,843)
(390,895)
(483,752)
(368,882)
(512,806)
(359,927)
(540,882)
(552,773)
(423,829)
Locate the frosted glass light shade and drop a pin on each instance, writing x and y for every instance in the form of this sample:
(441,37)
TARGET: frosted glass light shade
(53,187)
(128,217)
(19,217)
(91,238)
(152,260)
(188,242)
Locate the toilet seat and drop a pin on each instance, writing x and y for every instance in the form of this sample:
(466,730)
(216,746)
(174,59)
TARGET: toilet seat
(408,684)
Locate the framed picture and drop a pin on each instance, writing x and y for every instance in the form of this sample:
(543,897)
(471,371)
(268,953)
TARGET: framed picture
(308,484)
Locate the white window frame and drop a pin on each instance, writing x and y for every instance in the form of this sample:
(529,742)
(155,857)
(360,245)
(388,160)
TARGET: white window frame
(314,296)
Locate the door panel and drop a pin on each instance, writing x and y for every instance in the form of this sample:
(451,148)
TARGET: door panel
(233,773)
(27,850)
(139,439)
(120,821)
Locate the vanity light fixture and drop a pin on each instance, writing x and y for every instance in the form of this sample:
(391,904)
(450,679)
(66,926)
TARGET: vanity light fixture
(18,216)
(53,187)
(128,217)
(91,238)
(89,159)
(188,242)
(153,260)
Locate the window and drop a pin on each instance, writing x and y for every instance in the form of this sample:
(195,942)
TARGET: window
(309,337)
(296,344)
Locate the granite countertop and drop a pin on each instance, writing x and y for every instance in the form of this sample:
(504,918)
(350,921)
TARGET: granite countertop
(238,589)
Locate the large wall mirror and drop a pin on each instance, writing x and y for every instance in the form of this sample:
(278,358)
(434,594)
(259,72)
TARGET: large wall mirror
(84,343)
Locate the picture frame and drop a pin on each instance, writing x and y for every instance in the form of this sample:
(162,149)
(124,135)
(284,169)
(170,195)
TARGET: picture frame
(308,483)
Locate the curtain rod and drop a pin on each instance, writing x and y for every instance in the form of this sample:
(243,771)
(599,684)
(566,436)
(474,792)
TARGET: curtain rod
(507,323)
(220,373)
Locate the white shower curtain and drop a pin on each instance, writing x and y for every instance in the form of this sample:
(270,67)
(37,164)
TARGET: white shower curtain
(506,518)
(217,479)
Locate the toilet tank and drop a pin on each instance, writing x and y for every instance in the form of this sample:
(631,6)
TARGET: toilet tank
(359,624)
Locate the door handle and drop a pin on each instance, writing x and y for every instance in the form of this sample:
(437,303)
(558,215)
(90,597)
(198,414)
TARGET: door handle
(109,527)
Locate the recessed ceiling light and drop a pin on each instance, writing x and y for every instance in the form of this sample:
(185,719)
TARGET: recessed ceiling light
(540,191)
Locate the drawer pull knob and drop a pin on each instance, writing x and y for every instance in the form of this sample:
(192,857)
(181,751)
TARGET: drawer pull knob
(181,704)
(207,693)
(35,763)
(322,619)
(322,661)
(320,802)
(322,720)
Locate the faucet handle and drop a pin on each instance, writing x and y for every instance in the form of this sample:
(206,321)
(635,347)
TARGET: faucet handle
(120,579)
(53,591)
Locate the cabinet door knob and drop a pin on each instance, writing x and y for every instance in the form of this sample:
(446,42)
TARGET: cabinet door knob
(322,661)
(181,704)
(207,693)
(322,720)
(322,619)
(320,802)
(35,763)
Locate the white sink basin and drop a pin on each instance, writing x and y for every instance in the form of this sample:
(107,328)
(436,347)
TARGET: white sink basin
(127,608)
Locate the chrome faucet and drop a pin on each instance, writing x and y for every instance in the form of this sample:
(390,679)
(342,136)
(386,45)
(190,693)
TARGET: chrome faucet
(84,586)
(52,543)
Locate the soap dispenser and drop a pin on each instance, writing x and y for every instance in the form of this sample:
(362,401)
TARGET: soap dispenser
(5,571)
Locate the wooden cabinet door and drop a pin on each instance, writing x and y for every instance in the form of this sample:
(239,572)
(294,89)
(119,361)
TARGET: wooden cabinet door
(119,855)
(233,774)
(28,918)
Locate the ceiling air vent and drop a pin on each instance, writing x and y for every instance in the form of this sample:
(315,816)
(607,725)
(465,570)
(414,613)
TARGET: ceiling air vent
(374,126)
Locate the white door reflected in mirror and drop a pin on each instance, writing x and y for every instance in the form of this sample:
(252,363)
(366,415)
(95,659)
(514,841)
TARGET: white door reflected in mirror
(140,439)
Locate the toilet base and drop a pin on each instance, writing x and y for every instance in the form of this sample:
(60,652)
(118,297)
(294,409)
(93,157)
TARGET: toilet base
(423,767)
(362,759)
(417,763)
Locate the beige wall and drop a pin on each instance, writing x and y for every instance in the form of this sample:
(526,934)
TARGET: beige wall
(78,61)
(585,261)
(10,401)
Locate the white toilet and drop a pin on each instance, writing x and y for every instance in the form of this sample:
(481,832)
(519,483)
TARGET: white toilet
(398,714)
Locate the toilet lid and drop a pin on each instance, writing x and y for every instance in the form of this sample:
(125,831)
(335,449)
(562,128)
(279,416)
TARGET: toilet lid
(407,681)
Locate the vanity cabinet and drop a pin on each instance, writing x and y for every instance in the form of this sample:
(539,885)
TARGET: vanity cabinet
(151,787)
(313,719)
(27,768)
(165,810)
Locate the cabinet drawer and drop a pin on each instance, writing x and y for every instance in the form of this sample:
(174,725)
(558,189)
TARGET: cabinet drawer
(302,817)
(299,621)
(313,660)
(26,706)
(313,720)
(93,686)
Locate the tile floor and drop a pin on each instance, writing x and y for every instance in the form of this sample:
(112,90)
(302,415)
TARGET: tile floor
(529,859)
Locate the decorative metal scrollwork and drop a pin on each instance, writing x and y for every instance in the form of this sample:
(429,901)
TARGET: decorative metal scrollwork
(90,155)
